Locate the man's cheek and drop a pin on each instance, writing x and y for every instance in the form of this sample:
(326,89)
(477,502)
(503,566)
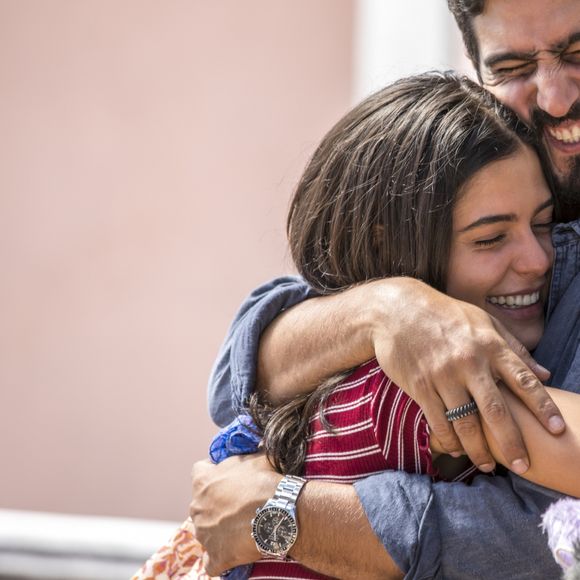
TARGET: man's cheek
(513,96)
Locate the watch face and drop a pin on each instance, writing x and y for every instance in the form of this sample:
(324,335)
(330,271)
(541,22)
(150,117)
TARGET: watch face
(274,530)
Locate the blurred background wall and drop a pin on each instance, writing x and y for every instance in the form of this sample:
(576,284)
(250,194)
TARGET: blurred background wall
(148,150)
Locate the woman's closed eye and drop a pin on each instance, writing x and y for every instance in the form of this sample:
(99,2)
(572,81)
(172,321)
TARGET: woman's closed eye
(488,242)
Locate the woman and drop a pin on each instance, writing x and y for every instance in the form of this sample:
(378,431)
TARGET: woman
(429,178)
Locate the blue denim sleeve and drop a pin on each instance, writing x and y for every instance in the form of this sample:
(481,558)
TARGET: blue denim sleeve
(486,530)
(234,372)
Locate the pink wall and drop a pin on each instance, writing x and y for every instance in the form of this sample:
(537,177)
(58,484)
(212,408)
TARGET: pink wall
(147,154)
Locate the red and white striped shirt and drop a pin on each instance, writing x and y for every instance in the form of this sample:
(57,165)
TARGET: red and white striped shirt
(375,427)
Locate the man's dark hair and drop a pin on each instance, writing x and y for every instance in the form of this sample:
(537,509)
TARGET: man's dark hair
(464,12)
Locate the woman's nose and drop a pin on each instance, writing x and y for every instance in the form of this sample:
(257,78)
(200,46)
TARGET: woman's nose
(536,256)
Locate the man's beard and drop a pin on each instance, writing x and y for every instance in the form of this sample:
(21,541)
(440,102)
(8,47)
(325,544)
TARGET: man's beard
(568,185)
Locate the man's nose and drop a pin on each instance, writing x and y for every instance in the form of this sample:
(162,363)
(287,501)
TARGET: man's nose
(557,90)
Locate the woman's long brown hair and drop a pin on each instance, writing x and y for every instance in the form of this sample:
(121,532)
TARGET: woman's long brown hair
(376,200)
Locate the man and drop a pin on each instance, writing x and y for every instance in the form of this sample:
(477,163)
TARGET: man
(527,52)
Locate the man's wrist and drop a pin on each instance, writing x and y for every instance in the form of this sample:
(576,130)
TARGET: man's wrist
(383,307)
(366,309)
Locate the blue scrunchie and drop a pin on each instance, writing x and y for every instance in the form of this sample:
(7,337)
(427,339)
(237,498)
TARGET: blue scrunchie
(240,437)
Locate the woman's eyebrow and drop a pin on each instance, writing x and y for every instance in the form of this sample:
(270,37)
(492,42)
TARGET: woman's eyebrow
(502,217)
(489,219)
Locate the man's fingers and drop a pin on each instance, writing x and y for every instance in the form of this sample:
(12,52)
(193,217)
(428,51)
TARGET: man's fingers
(522,352)
(440,427)
(526,386)
(523,376)
(469,432)
(493,410)
(471,435)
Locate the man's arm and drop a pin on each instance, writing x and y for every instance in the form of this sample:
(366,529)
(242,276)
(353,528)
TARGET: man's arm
(335,536)
(422,530)
(441,351)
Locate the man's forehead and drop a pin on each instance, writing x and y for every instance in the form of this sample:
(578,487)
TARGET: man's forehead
(526,25)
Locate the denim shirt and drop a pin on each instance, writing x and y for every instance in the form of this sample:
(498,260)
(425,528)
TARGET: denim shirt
(558,350)
(489,529)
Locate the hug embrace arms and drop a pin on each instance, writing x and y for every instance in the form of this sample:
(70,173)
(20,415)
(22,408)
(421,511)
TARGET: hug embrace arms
(442,351)
(427,520)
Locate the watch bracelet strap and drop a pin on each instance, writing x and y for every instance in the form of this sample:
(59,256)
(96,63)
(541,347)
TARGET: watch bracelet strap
(284,497)
(287,492)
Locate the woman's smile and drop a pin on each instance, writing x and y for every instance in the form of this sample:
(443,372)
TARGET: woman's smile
(523,305)
(501,251)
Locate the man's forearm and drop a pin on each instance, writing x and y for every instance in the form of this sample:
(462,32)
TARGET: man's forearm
(322,336)
(335,536)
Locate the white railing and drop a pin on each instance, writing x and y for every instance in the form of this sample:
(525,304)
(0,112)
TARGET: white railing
(40,546)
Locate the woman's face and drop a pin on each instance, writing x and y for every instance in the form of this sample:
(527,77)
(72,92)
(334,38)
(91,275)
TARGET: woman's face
(501,250)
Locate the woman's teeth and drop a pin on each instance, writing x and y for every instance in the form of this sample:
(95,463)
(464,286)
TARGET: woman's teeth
(515,301)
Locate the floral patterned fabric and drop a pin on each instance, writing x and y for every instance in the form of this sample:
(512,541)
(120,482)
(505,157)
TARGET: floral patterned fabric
(179,559)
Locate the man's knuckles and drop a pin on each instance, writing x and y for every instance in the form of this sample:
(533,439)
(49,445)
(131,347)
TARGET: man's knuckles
(527,381)
(468,427)
(494,411)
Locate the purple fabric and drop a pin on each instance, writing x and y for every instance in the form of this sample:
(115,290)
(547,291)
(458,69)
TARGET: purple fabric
(562,524)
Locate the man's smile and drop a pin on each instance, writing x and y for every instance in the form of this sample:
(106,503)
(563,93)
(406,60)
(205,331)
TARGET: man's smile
(567,133)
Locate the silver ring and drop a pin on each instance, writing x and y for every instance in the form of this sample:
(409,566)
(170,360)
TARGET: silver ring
(462,411)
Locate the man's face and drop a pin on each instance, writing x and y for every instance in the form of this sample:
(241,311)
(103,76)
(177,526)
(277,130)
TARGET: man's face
(530,59)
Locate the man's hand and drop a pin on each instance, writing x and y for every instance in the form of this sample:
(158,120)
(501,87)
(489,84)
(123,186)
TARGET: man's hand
(444,353)
(225,499)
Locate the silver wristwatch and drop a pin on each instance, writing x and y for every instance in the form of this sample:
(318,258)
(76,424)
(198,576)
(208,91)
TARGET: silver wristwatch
(275,528)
